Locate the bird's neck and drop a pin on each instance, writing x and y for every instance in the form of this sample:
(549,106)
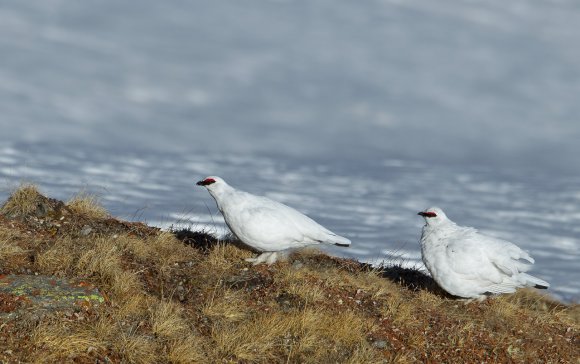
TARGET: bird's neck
(220,194)
(440,229)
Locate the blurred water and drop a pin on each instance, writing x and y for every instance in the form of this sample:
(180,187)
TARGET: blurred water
(359,114)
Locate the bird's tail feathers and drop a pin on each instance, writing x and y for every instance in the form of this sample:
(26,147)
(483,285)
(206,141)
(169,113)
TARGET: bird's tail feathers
(339,240)
(506,287)
(532,281)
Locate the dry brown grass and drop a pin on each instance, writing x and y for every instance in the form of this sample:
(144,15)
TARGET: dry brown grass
(22,201)
(103,260)
(87,205)
(168,302)
(167,320)
(140,349)
(300,282)
(163,250)
(309,336)
(9,243)
(59,343)
(59,258)
(226,305)
(188,349)
(169,323)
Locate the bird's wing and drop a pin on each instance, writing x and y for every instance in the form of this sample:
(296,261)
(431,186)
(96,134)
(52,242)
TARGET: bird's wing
(486,258)
(267,225)
(508,257)
(468,256)
(310,229)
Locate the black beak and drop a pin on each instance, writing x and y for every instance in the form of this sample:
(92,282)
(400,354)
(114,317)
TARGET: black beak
(200,183)
(421,213)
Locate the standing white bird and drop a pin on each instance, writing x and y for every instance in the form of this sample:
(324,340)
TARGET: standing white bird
(266,225)
(468,264)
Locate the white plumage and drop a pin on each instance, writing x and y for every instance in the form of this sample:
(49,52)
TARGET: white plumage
(469,264)
(266,225)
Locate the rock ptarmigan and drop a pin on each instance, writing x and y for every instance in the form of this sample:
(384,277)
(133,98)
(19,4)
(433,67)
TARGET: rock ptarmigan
(468,264)
(266,225)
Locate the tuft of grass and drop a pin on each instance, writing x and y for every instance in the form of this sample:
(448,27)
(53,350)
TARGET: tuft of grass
(300,282)
(167,320)
(62,342)
(9,244)
(188,349)
(569,314)
(22,201)
(254,341)
(225,305)
(311,336)
(103,260)
(87,205)
(223,257)
(133,307)
(140,349)
(59,258)
(125,284)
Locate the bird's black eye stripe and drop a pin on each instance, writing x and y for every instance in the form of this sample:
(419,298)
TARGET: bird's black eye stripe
(427,214)
(206,182)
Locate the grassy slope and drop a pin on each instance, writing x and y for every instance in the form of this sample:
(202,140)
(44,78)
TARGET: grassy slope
(193,299)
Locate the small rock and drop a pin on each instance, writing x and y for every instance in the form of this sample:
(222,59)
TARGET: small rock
(297,264)
(380,344)
(86,230)
(180,293)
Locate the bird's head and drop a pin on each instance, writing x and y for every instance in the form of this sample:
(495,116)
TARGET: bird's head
(433,216)
(212,183)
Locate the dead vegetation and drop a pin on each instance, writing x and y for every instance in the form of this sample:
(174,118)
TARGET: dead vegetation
(184,297)
(87,205)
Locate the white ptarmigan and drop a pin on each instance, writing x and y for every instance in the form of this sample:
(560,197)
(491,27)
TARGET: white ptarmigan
(266,225)
(468,264)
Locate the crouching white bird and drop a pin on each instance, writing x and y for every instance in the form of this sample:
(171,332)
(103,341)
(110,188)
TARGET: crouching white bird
(468,264)
(266,225)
